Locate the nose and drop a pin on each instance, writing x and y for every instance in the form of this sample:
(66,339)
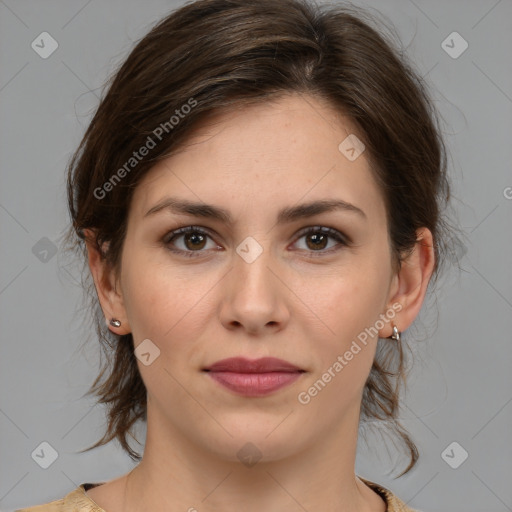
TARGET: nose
(254,296)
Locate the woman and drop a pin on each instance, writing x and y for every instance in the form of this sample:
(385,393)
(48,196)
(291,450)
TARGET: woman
(259,200)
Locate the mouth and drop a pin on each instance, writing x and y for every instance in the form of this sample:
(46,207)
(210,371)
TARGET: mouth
(255,378)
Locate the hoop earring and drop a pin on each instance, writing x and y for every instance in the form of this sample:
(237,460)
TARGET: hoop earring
(115,323)
(395,335)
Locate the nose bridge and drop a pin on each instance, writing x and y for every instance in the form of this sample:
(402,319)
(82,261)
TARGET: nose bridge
(251,264)
(254,298)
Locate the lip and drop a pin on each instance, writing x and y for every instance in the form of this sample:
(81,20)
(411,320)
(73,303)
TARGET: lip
(258,377)
(243,365)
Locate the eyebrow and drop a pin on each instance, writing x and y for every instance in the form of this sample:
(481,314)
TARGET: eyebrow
(286,215)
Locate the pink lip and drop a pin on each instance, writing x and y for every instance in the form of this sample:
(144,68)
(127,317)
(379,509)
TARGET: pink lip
(254,377)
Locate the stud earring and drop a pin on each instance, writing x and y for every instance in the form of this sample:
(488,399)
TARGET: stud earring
(115,323)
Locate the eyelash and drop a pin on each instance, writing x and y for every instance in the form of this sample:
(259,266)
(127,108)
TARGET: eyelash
(333,233)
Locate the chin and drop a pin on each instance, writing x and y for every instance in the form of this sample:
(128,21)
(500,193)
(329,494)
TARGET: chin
(252,441)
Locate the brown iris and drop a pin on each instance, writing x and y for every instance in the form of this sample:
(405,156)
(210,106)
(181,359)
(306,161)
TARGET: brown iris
(198,240)
(319,240)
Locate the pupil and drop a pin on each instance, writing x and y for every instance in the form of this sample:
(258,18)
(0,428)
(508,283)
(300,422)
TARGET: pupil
(194,238)
(318,238)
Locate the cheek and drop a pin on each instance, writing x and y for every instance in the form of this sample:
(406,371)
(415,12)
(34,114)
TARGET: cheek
(351,302)
(344,358)
(163,303)
(169,310)
(348,300)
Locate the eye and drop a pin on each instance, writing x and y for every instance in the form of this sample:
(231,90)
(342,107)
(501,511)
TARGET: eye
(317,239)
(189,240)
(194,239)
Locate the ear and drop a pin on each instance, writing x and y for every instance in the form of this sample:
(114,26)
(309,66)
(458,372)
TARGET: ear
(107,288)
(409,284)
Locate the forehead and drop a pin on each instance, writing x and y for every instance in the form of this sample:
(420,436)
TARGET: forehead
(275,153)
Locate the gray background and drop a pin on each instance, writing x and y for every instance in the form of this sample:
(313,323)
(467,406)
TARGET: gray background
(461,386)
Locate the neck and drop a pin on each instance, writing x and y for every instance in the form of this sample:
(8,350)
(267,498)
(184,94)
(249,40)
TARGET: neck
(176,474)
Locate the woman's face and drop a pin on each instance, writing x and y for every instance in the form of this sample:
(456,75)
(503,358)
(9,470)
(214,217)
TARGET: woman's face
(268,283)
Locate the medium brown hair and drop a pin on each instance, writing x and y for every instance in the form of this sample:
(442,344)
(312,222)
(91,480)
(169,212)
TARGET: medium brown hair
(220,55)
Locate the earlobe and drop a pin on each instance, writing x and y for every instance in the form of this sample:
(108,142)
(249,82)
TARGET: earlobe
(411,282)
(110,298)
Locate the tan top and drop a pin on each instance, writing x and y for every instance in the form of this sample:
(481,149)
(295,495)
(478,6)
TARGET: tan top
(78,501)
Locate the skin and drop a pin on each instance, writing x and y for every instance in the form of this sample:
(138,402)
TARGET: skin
(292,302)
